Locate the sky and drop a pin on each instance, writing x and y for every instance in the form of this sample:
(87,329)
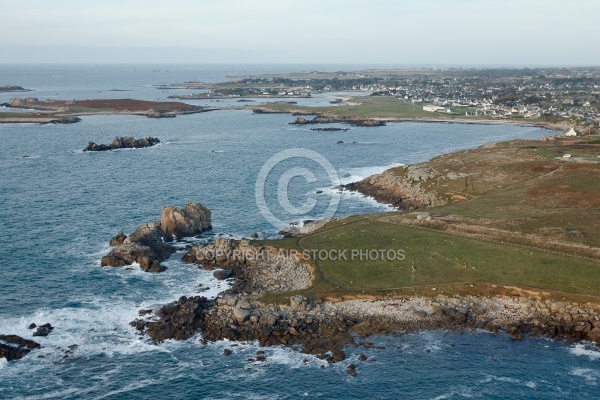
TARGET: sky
(416,32)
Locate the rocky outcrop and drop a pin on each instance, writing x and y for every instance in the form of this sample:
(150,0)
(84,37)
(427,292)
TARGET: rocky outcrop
(307,227)
(13,347)
(145,246)
(43,330)
(19,103)
(179,320)
(329,119)
(123,142)
(401,187)
(329,129)
(191,220)
(257,269)
(148,244)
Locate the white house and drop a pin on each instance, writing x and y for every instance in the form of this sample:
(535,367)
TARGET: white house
(571,132)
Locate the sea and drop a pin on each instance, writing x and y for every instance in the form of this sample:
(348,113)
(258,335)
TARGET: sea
(60,206)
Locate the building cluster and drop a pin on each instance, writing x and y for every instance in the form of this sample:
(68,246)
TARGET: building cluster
(572,94)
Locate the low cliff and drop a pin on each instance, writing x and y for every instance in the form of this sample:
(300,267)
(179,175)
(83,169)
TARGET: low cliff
(403,187)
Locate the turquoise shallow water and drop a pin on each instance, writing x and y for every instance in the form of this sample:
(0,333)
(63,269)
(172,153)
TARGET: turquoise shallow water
(60,206)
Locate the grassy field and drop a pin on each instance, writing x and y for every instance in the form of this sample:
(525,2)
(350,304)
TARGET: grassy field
(531,219)
(369,107)
(435,258)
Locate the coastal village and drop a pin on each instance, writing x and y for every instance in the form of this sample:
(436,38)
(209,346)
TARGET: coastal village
(573,97)
(567,95)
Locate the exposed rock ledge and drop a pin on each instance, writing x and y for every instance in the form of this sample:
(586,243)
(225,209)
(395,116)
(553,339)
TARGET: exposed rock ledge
(400,188)
(124,142)
(329,119)
(256,270)
(148,244)
(324,327)
(13,347)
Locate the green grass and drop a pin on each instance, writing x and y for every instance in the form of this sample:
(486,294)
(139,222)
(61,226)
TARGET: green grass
(371,107)
(439,258)
(539,216)
(383,106)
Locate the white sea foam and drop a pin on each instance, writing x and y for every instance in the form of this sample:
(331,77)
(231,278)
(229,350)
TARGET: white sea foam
(582,350)
(280,355)
(349,175)
(590,376)
(100,326)
(506,379)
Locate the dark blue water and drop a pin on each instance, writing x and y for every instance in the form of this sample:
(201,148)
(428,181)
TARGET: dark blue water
(60,206)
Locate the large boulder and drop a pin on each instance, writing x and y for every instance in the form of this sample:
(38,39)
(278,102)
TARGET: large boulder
(192,220)
(152,236)
(147,245)
(118,239)
(144,246)
(124,255)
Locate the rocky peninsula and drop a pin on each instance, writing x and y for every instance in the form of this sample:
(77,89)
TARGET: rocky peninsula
(324,326)
(469,264)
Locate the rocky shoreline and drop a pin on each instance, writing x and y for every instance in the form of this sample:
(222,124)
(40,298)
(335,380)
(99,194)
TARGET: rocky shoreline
(402,190)
(366,121)
(324,326)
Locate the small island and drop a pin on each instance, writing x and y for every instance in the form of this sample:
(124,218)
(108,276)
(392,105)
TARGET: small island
(124,142)
(61,111)
(13,88)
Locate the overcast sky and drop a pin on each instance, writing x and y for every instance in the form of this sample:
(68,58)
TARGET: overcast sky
(425,32)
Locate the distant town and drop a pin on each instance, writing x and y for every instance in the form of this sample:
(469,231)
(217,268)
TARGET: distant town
(570,96)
